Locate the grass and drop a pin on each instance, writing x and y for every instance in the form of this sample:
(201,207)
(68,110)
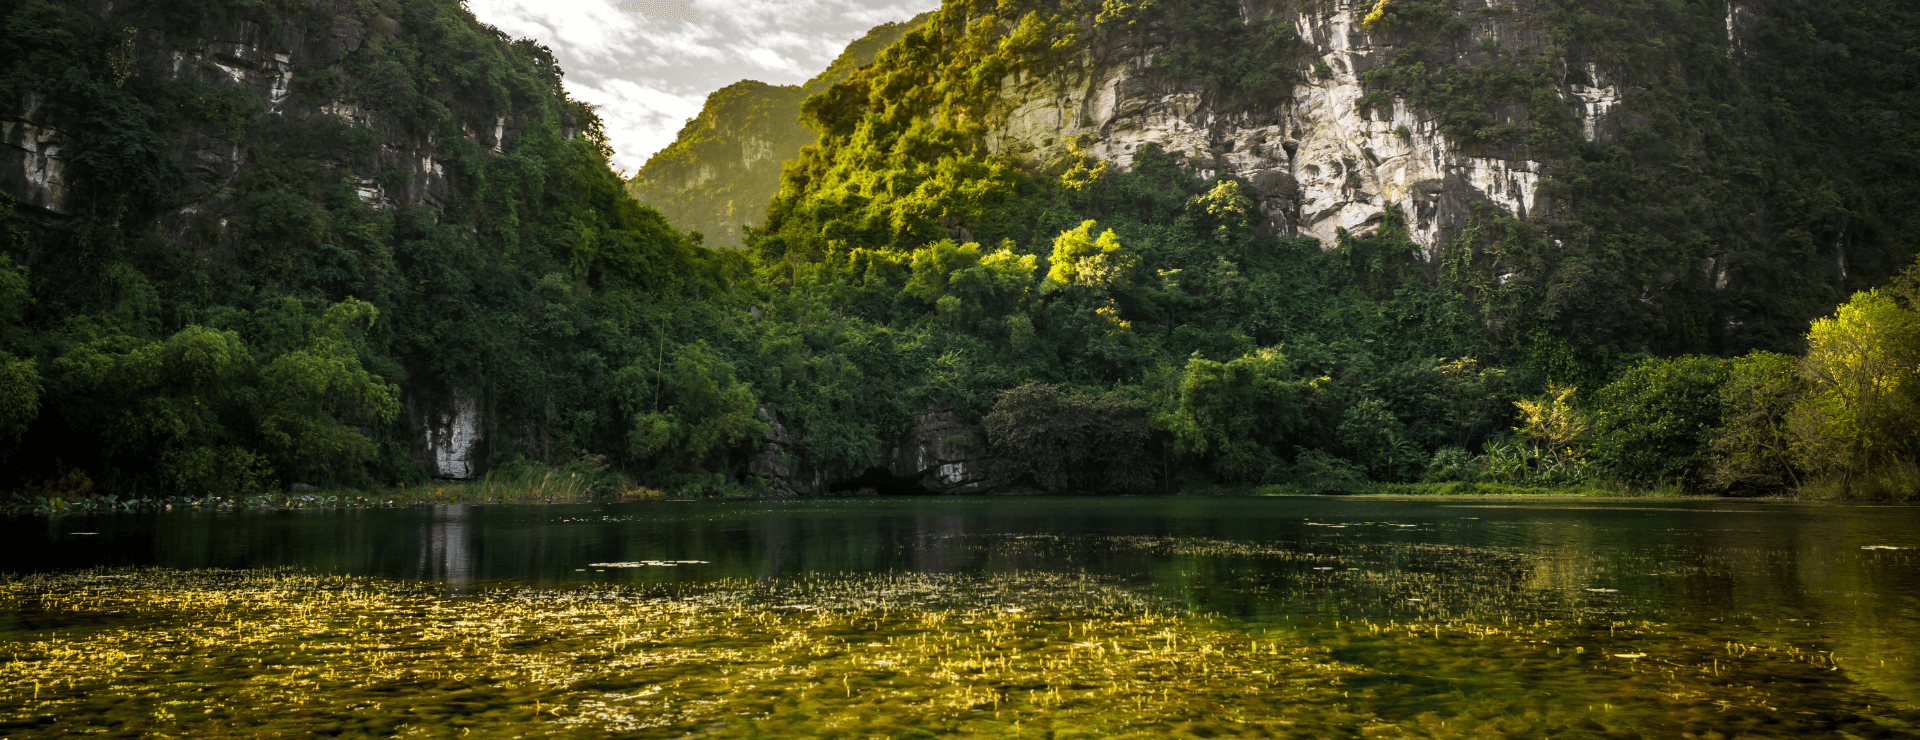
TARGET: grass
(1897,481)
(1476,488)
(524,482)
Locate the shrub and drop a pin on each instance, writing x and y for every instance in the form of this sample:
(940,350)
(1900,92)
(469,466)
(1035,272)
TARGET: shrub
(1752,449)
(1320,472)
(1450,464)
(1078,442)
(1652,423)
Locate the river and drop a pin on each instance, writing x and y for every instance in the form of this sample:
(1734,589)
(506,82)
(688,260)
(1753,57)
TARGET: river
(1094,617)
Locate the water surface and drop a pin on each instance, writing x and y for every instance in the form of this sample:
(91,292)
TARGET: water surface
(1313,616)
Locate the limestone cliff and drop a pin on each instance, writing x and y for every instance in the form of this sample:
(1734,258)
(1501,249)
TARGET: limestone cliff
(257,152)
(1320,157)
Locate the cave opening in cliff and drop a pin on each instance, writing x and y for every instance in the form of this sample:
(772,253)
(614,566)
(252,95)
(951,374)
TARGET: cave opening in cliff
(882,481)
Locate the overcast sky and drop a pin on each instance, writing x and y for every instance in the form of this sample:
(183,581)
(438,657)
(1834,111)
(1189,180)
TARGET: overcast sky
(649,75)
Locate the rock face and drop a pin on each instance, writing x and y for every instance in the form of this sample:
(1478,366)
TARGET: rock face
(1318,161)
(770,463)
(450,442)
(938,455)
(941,455)
(278,68)
(284,63)
(31,167)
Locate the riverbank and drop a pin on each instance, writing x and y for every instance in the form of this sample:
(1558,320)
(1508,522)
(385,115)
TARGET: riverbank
(575,484)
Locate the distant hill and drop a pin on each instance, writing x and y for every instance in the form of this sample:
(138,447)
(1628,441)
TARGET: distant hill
(725,165)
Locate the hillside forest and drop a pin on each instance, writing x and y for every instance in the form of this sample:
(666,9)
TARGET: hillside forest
(1099,331)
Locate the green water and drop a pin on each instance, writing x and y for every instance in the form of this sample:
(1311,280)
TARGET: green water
(1142,617)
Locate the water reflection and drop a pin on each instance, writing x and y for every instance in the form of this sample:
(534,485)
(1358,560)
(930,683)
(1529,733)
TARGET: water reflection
(1791,573)
(446,552)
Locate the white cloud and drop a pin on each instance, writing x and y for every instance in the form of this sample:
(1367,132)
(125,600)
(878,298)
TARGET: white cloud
(639,119)
(769,59)
(648,75)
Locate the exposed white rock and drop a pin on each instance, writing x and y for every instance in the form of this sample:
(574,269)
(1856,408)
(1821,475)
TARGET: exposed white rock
(346,110)
(34,149)
(1735,14)
(1318,161)
(453,438)
(282,83)
(370,192)
(704,174)
(755,150)
(237,73)
(1596,102)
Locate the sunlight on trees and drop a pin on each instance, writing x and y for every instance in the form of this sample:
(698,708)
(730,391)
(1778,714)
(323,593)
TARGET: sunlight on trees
(1553,422)
(1080,259)
(1860,408)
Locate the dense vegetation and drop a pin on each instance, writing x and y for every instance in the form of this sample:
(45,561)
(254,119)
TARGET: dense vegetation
(268,340)
(1258,359)
(724,165)
(1109,331)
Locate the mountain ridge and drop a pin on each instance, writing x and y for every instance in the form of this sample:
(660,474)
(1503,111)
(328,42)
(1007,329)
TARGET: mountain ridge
(724,165)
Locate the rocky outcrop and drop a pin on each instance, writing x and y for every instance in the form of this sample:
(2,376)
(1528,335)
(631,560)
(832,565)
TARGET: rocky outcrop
(293,67)
(771,463)
(278,77)
(939,455)
(450,437)
(32,169)
(1318,160)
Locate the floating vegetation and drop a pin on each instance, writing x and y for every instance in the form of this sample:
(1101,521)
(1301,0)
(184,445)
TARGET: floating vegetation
(648,564)
(1031,654)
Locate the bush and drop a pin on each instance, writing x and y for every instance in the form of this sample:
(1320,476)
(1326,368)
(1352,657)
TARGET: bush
(1652,424)
(1319,472)
(1752,450)
(1450,464)
(1071,442)
(1234,413)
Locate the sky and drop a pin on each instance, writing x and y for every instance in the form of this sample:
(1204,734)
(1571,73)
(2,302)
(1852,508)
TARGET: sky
(649,75)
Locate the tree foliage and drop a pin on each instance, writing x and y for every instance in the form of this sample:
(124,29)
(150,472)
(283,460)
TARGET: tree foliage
(1862,405)
(1072,441)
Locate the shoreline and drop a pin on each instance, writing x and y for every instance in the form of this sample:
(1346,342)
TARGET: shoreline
(342,499)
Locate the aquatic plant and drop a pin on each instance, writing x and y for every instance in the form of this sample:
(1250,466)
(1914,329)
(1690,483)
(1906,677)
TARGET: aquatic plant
(276,652)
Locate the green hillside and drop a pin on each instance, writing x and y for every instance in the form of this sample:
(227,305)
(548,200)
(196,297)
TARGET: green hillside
(724,165)
(241,290)
(375,244)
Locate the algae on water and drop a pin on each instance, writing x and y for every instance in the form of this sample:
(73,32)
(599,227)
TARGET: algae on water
(213,653)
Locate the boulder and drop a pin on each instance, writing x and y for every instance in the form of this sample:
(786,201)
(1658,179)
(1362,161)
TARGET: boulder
(941,455)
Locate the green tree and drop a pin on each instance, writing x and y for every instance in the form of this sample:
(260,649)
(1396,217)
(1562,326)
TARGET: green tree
(19,376)
(1752,450)
(1072,441)
(1377,441)
(176,407)
(967,284)
(1553,422)
(1862,406)
(1236,413)
(1651,424)
(692,411)
(314,397)
(1081,259)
